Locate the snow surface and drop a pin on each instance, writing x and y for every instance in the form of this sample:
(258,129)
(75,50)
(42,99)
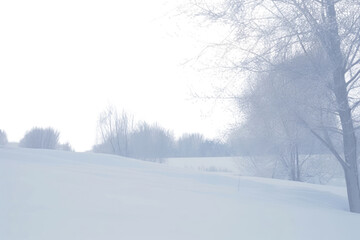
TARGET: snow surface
(321,168)
(209,164)
(48,194)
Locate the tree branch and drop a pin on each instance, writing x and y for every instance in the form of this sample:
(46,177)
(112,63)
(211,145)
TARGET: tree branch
(327,144)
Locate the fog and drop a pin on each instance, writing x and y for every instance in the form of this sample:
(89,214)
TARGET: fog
(64,63)
(201,119)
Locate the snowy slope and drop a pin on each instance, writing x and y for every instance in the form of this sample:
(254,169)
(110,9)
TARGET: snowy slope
(63,195)
(209,164)
(320,168)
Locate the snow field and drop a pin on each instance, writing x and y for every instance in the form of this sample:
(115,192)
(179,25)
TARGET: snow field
(48,194)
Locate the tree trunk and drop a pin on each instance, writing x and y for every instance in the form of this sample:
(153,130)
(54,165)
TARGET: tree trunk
(297,165)
(349,141)
(352,185)
(331,42)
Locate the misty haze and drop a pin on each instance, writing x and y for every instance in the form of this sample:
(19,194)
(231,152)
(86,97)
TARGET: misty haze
(195,119)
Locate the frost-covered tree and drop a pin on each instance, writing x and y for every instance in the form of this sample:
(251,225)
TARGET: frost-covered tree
(118,134)
(151,142)
(196,145)
(277,99)
(265,31)
(46,138)
(190,145)
(114,130)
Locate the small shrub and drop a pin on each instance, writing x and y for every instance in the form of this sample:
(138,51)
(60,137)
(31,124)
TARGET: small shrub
(65,147)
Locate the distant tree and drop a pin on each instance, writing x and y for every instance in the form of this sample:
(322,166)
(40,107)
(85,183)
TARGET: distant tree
(215,148)
(196,145)
(65,147)
(151,142)
(119,134)
(190,145)
(46,138)
(114,130)
(3,138)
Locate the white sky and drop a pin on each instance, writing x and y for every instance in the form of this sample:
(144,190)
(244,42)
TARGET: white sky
(63,62)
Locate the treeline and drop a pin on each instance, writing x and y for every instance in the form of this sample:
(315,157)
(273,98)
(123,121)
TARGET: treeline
(119,134)
(42,138)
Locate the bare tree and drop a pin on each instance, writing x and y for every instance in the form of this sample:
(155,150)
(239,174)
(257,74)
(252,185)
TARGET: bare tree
(264,32)
(46,138)
(114,130)
(275,102)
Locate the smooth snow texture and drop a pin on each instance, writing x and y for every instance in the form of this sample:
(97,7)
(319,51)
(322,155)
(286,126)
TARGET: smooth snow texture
(321,168)
(62,195)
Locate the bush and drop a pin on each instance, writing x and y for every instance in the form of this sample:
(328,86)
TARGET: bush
(3,138)
(65,147)
(46,138)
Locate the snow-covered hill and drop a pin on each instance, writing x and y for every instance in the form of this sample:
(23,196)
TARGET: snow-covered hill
(321,168)
(63,195)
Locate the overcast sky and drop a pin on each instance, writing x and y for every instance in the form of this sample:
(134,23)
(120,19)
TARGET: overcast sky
(63,62)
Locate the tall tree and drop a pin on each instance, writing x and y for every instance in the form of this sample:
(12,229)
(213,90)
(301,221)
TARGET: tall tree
(114,130)
(277,103)
(267,31)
